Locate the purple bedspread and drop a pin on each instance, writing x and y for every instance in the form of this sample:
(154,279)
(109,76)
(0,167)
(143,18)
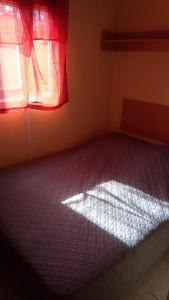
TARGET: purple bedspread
(73,215)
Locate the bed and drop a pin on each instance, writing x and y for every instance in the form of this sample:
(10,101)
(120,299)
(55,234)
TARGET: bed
(87,223)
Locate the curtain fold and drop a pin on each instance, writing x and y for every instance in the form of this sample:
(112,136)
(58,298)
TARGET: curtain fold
(33,42)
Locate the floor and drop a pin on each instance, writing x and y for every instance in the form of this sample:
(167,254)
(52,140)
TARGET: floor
(154,285)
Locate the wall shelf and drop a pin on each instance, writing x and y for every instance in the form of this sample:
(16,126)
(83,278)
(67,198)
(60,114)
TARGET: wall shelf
(151,41)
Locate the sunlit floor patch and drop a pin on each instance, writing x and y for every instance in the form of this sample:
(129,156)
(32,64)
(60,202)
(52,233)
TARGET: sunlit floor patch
(123,211)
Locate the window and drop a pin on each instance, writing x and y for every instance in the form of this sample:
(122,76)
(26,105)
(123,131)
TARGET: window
(44,90)
(11,73)
(32,62)
(43,49)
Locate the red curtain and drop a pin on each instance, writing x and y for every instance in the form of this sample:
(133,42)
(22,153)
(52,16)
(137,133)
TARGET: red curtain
(33,41)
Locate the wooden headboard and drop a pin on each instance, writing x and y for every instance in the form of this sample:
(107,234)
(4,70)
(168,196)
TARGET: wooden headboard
(149,120)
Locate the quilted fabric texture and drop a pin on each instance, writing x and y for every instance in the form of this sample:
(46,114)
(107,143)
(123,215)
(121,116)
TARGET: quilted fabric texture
(73,215)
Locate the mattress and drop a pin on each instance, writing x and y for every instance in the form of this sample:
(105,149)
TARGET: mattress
(78,219)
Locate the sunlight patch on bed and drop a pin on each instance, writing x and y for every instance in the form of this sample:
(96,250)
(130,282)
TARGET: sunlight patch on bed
(123,211)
